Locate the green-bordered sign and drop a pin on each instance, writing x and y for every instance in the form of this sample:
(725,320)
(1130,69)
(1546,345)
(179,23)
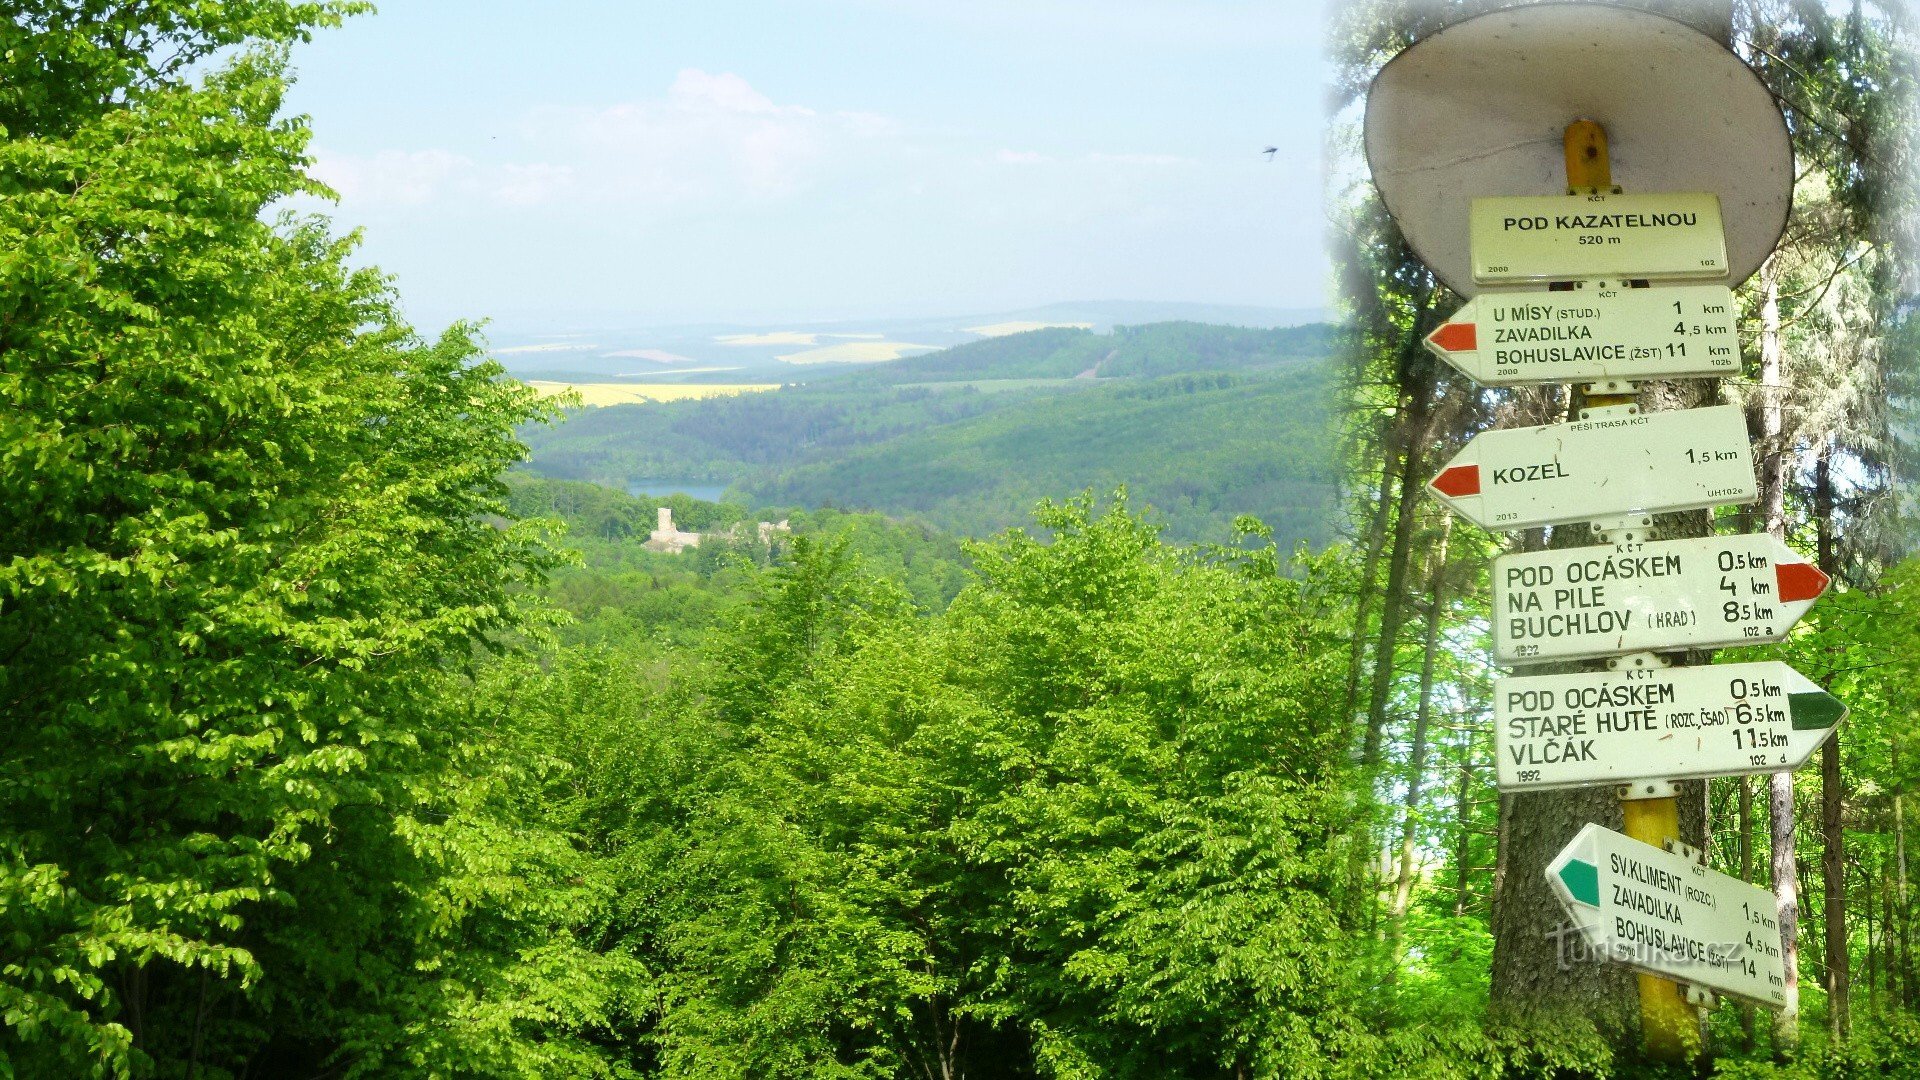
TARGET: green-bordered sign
(1672,237)
(1662,913)
(1575,730)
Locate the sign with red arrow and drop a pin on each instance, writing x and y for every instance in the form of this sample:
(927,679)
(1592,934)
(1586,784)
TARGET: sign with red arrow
(1591,333)
(1617,461)
(1704,593)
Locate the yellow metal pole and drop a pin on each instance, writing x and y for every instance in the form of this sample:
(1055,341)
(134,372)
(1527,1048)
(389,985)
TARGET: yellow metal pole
(1590,171)
(1667,1024)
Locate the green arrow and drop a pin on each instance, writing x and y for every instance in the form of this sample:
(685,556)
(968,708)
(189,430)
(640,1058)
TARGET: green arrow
(1582,880)
(1814,710)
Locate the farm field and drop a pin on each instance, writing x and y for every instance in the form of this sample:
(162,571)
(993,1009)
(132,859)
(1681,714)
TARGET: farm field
(609,393)
(856,352)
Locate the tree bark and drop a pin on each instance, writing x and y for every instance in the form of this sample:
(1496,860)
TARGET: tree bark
(1833,849)
(1417,755)
(1902,956)
(1462,823)
(1542,970)
(1393,603)
(1745,849)
(1369,578)
(1786,896)
(1530,975)
(1773,509)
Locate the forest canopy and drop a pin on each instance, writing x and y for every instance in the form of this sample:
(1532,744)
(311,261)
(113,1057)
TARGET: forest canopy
(339,743)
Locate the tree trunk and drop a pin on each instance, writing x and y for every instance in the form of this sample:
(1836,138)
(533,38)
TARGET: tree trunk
(1463,824)
(1395,448)
(1875,946)
(1530,972)
(1370,577)
(1833,853)
(1542,969)
(1786,894)
(1833,880)
(1745,849)
(1902,956)
(1417,755)
(1773,451)
(1393,604)
(1773,509)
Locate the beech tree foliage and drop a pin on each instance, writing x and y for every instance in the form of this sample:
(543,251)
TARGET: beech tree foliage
(304,770)
(253,532)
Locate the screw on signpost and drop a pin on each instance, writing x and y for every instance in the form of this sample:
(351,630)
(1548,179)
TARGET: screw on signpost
(1668,1024)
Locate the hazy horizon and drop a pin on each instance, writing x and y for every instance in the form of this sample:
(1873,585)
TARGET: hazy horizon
(755,164)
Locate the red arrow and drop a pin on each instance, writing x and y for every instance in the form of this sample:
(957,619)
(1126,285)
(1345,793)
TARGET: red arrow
(1799,581)
(1459,480)
(1456,337)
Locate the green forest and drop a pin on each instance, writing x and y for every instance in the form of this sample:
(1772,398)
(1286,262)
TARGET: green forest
(1204,422)
(340,742)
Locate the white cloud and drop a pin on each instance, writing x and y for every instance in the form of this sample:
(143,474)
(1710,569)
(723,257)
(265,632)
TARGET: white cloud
(1019,157)
(390,176)
(1138,159)
(867,125)
(709,135)
(527,185)
(706,137)
(697,90)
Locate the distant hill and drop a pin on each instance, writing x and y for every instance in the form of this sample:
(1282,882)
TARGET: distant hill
(1203,422)
(1171,348)
(726,353)
(1201,449)
(1107,314)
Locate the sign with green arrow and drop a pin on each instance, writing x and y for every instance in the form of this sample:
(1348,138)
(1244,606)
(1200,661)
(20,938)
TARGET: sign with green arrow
(1662,913)
(1574,730)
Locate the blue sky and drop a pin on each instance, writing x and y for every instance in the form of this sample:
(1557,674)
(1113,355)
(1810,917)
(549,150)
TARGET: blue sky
(647,163)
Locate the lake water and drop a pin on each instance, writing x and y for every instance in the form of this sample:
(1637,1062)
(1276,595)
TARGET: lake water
(656,486)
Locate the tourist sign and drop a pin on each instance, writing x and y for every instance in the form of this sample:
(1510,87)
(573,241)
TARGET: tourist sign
(1541,238)
(1665,914)
(1593,333)
(1607,727)
(1703,593)
(1603,466)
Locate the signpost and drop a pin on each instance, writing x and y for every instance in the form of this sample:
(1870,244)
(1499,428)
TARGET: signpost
(1447,120)
(1574,730)
(1665,914)
(1541,238)
(1592,333)
(1607,465)
(1703,593)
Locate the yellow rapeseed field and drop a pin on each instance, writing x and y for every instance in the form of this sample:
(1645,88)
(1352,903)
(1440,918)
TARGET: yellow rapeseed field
(629,393)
